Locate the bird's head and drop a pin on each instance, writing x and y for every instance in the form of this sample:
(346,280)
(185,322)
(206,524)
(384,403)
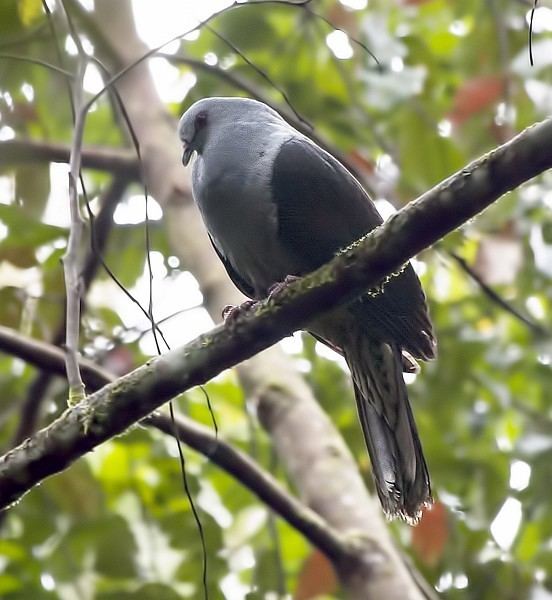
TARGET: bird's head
(207,116)
(193,127)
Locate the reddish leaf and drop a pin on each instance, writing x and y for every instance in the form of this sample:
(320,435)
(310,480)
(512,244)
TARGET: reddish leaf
(475,95)
(430,537)
(23,112)
(360,161)
(317,577)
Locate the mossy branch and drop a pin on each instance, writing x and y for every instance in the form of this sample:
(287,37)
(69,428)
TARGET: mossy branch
(114,408)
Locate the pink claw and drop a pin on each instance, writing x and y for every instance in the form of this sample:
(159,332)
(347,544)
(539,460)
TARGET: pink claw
(230,312)
(276,288)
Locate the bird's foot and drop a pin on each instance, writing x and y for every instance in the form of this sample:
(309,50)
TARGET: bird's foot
(279,287)
(230,312)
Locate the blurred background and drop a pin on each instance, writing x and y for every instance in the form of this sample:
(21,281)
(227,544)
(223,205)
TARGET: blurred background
(405,92)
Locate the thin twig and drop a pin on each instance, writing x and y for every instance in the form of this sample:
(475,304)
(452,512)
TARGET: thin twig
(227,75)
(57,46)
(260,72)
(71,261)
(71,258)
(353,39)
(37,61)
(530,33)
(201,24)
(498,299)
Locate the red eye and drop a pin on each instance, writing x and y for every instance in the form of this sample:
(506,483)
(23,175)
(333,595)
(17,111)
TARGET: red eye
(200,120)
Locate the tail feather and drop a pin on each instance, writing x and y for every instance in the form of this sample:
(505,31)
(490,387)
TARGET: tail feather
(399,468)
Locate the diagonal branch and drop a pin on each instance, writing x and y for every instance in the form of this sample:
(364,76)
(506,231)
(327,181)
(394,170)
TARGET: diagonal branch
(260,482)
(49,357)
(118,405)
(495,297)
(113,160)
(233,461)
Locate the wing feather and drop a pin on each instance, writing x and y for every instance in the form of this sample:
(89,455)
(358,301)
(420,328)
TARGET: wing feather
(321,209)
(242,285)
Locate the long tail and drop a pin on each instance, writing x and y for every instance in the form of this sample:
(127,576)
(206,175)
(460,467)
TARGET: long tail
(400,471)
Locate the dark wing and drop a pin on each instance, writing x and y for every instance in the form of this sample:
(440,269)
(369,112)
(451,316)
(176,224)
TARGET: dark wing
(322,209)
(242,285)
(321,206)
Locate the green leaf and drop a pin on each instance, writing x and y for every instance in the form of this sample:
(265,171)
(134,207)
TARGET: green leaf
(528,543)
(32,186)
(115,549)
(147,591)
(9,17)
(24,236)
(9,584)
(29,11)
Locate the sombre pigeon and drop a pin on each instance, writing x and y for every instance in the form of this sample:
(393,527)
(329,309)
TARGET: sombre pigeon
(276,205)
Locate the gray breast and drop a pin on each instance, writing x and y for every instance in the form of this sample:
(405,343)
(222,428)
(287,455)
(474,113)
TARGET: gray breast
(231,184)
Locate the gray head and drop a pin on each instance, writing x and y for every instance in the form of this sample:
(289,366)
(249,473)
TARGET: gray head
(208,115)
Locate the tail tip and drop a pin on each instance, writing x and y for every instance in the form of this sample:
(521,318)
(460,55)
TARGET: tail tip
(411,515)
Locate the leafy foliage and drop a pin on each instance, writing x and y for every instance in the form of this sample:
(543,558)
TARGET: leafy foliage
(452,82)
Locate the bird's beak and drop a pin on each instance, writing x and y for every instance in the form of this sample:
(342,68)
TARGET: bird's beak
(187,153)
